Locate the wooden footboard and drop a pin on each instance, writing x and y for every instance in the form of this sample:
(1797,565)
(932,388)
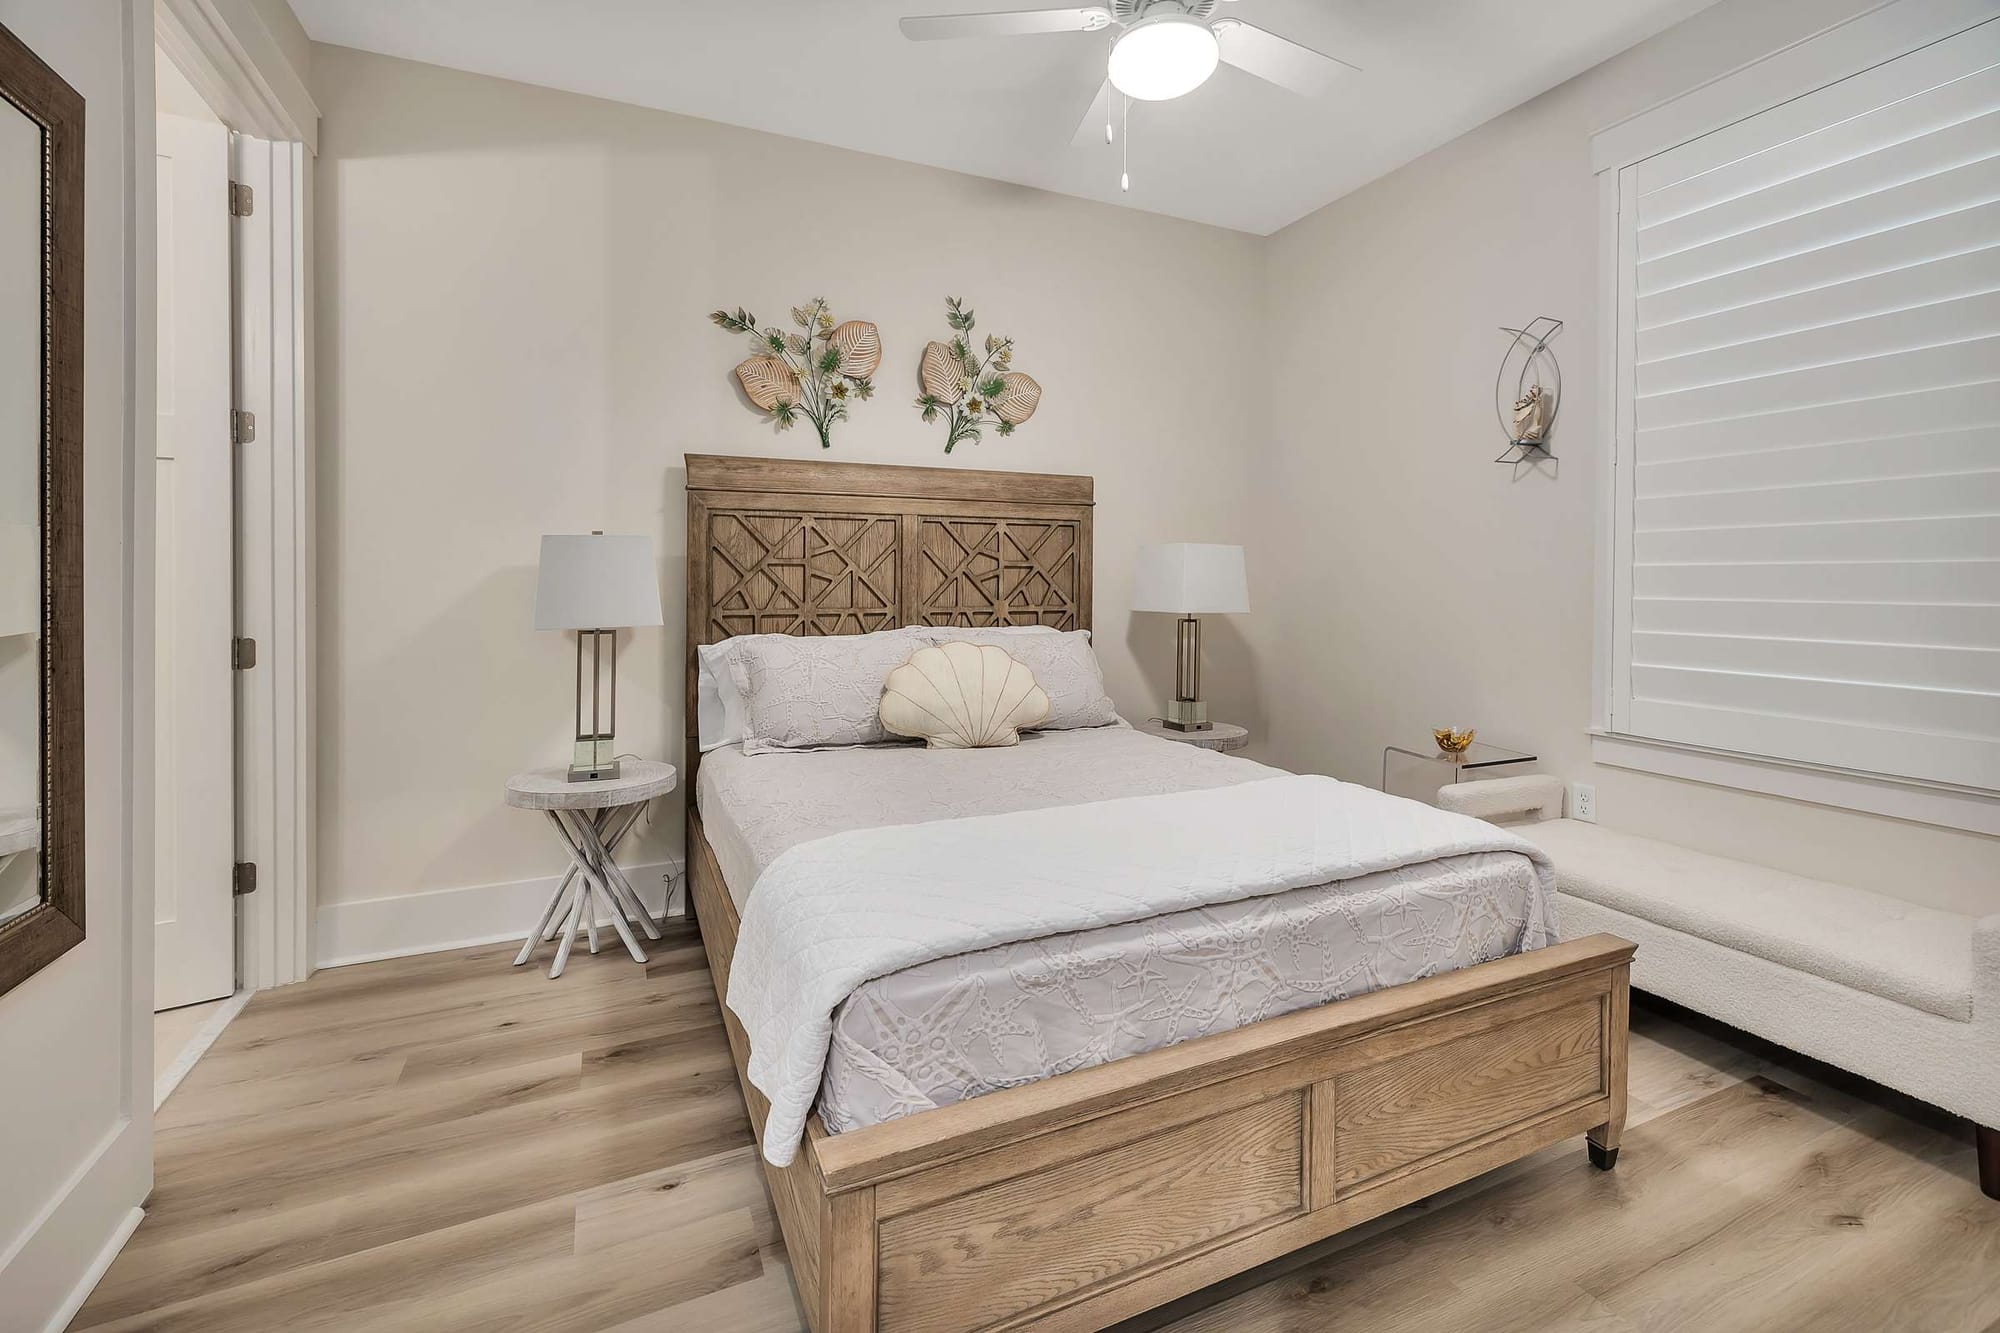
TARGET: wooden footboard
(1078,1201)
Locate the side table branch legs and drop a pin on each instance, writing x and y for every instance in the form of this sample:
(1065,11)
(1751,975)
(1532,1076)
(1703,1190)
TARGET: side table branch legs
(555,923)
(579,834)
(593,877)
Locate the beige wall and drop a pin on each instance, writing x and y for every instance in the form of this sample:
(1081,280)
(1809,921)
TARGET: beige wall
(513,286)
(289,34)
(76,1038)
(1416,583)
(512,289)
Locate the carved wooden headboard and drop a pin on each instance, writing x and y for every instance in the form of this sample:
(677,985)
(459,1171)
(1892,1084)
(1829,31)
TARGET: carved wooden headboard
(782,547)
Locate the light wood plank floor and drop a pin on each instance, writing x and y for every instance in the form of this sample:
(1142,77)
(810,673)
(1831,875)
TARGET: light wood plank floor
(446,1143)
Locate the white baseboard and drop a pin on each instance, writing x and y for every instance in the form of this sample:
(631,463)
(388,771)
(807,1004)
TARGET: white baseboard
(95,1273)
(44,1276)
(441,919)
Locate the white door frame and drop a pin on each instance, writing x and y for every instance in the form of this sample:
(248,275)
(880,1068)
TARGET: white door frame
(234,63)
(218,49)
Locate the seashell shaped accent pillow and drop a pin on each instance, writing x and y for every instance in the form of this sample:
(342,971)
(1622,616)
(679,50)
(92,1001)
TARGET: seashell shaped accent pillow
(962,696)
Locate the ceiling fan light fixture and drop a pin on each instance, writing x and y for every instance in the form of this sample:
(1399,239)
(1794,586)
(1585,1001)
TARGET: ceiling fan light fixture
(1163,57)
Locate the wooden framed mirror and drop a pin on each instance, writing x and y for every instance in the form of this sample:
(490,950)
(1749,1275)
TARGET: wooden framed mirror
(41,514)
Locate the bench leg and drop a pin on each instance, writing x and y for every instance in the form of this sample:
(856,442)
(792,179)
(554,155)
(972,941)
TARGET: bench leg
(1989,1159)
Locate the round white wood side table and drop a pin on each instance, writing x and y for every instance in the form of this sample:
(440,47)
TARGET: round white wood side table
(1219,736)
(591,818)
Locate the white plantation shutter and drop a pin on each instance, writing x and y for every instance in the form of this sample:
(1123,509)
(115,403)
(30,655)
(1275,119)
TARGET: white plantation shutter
(1807,512)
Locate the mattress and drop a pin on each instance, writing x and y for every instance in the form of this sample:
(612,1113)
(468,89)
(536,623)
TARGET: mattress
(958,1027)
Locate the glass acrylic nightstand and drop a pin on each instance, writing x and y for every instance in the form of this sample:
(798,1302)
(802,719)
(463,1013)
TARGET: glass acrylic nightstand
(1477,755)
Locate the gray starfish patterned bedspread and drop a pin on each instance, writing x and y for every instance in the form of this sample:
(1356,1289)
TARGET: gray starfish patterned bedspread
(943,1031)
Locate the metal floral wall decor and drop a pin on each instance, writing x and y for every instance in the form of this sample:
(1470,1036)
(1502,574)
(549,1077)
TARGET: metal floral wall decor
(813,373)
(972,391)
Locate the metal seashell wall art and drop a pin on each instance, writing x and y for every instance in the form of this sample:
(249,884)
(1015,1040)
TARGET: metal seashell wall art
(1527,391)
(814,373)
(972,391)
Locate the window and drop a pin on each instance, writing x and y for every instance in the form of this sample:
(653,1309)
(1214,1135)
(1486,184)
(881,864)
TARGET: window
(1805,508)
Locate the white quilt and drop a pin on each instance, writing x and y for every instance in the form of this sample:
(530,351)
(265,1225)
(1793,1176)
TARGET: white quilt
(832,914)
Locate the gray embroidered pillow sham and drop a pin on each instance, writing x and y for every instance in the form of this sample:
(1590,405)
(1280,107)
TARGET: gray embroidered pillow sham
(804,692)
(824,692)
(1064,666)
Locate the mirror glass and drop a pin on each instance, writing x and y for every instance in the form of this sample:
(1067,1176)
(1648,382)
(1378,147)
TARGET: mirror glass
(21,400)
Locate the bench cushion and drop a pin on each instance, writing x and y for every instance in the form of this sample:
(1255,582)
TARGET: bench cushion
(1913,955)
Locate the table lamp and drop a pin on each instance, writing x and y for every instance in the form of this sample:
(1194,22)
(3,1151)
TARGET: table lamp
(596,585)
(1190,578)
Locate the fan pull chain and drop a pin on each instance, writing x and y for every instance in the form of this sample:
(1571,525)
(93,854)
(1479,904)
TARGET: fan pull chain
(1108,92)
(1125,150)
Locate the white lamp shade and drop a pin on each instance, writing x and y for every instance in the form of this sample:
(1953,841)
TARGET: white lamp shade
(597,581)
(1191,578)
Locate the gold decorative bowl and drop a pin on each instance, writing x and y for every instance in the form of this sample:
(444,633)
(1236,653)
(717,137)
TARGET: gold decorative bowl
(1452,741)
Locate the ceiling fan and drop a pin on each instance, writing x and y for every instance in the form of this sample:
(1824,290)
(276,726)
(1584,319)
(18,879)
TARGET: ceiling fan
(1163,49)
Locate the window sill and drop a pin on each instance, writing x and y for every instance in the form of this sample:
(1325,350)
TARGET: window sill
(1919,802)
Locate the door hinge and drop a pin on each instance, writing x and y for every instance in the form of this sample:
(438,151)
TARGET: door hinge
(242,426)
(242,654)
(245,879)
(242,200)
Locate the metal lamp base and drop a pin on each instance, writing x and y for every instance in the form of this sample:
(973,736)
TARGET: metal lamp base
(593,760)
(1186,711)
(594,757)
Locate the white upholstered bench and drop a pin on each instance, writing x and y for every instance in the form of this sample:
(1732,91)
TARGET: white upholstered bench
(1898,993)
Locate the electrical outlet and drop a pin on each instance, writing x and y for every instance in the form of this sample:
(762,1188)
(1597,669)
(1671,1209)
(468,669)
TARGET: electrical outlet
(1583,802)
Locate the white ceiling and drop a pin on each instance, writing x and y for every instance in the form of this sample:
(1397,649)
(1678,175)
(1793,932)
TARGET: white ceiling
(1237,152)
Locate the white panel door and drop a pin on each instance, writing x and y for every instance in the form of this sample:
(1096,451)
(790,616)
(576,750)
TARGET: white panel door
(194,907)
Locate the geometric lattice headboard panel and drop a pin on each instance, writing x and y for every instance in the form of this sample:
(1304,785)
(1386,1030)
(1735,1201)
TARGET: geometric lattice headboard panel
(777,573)
(998,571)
(776,546)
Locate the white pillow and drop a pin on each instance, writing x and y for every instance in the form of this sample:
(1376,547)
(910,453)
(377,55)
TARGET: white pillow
(1064,666)
(719,717)
(817,692)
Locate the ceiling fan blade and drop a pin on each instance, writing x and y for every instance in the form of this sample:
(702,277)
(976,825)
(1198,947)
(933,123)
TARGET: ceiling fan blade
(1014,23)
(1278,60)
(1090,131)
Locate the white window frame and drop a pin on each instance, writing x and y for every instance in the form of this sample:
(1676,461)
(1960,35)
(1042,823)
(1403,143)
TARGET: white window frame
(1873,38)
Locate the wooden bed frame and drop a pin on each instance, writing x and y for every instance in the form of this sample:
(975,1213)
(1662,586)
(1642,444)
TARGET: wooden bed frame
(1086,1198)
